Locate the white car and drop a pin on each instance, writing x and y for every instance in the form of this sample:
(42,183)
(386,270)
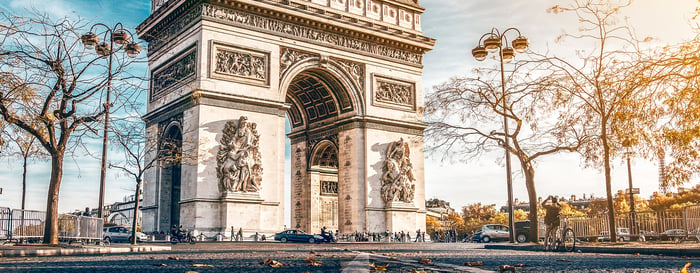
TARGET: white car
(121,234)
(623,234)
(494,232)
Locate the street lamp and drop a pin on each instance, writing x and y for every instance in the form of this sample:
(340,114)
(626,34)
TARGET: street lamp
(627,143)
(493,42)
(122,37)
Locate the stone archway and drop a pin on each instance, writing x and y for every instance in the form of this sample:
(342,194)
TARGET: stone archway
(347,76)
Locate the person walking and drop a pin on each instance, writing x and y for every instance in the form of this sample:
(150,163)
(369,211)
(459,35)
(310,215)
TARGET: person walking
(233,233)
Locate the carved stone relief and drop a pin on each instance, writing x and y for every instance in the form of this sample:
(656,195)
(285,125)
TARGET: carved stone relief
(238,64)
(239,164)
(329,187)
(180,70)
(398,182)
(394,93)
(289,57)
(355,70)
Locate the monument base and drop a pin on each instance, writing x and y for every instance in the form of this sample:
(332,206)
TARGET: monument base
(400,216)
(241,210)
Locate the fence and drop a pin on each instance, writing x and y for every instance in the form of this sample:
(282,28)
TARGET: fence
(28,225)
(650,225)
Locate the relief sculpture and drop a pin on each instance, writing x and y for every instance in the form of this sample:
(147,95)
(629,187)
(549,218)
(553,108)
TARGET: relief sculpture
(397,179)
(239,165)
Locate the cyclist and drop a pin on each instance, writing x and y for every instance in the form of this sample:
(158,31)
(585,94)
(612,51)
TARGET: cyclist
(551,219)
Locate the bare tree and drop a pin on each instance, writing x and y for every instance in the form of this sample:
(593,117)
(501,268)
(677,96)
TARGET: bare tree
(52,90)
(27,149)
(611,91)
(465,116)
(142,152)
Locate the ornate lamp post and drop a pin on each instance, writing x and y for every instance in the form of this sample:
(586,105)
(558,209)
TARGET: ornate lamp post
(122,37)
(493,42)
(627,143)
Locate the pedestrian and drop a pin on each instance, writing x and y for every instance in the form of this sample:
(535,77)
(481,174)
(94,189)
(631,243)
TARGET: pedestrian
(233,233)
(239,236)
(417,235)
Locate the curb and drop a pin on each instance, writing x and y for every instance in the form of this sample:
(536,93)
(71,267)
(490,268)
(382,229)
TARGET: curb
(610,250)
(79,251)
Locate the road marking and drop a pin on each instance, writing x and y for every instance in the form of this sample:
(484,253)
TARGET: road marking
(358,265)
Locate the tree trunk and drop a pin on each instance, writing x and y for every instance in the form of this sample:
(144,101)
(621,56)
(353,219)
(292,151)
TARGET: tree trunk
(136,212)
(608,182)
(24,182)
(532,198)
(51,221)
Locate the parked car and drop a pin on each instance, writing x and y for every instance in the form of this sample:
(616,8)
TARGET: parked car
(622,233)
(121,234)
(294,235)
(675,235)
(522,230)
(649,235)
(493,232)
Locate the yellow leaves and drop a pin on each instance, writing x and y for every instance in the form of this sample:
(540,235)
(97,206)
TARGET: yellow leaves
(378,267)
(555,9)
(685,268)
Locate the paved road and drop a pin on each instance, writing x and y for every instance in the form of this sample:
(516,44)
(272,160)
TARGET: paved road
(345,258)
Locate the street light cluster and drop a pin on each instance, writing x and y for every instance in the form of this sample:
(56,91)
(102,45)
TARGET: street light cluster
(120,36)
(493,43)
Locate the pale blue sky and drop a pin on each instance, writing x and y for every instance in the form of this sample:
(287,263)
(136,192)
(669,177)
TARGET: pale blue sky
(457,26)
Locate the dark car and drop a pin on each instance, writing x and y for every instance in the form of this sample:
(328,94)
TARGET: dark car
(293,235)
(522,230)
(675,235)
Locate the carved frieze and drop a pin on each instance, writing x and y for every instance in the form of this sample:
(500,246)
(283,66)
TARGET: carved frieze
(329,187)
(239,64)
(394,93)
(398,182)
(170,30)
(175,72)
(239,163)
(313,35)
(289,57)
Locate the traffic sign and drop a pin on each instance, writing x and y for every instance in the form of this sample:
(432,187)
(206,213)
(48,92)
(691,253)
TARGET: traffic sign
(634,191)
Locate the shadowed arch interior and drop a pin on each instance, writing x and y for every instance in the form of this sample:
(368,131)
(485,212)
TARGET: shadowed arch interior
(316,96)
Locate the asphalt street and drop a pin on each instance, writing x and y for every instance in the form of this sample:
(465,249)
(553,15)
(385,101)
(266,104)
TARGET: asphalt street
(346,258)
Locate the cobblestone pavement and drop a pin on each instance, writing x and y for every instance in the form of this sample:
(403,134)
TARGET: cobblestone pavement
(346,258)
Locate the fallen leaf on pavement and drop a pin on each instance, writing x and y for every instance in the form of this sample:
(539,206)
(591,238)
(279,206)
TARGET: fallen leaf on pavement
(505,267)
(685,268)
(174,258)
(202,265)
(378,267)
(425,261)
(272,263)
(419,271)
(520,265)
(564,260)
(477,263)
(313,262)
(160,265)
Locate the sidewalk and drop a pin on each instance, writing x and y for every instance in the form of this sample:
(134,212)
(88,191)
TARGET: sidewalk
(65,250)
(641,248)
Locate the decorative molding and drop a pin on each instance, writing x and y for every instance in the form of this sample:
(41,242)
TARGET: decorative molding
(309,34)
(290,57)
(166,30)
(329,188)
(393,93)
(173,73)
(238,64)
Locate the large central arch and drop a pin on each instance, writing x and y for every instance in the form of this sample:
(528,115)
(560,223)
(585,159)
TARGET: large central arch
(345,74)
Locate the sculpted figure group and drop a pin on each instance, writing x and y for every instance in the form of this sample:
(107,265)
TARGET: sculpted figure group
(397,179)
(239,166)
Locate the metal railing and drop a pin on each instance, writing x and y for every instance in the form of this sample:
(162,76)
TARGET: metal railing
(673,225)
(28,225)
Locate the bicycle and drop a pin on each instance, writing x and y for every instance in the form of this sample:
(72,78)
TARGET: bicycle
(562,239)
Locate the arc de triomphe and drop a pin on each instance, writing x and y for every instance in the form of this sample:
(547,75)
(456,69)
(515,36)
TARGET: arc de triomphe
(345,75)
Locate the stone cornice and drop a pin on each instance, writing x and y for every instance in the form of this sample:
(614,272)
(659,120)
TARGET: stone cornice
(399,126)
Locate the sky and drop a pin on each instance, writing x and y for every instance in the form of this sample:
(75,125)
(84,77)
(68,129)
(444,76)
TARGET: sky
(457,26)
